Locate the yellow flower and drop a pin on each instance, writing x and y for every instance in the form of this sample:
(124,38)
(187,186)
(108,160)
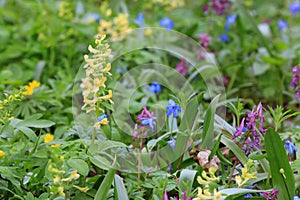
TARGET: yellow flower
(56,179)
(82,189)
(148,32)
(60,191)
(2,153)
(48,138)
(55,145)
(73,176)
(30,88)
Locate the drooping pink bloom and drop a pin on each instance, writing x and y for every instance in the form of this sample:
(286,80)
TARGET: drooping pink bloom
(182,67)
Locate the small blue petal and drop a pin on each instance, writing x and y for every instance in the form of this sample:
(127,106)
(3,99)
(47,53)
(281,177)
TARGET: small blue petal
(167,22)
(231,19)
(224,37)
(172,143)
(294,8)
(155,87)
(139,19)
(100,118)
(282,24)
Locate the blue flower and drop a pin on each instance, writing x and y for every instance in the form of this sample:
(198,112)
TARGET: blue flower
(169,167)
(139,19)
(172,143)
(296,198)
(224,37)
(230,20)
(155,87)
(173,108)
(248,195)
(148,122)
(95,17)
(290,147)
(294,8)
(166,22)
(100,118)
(282,24)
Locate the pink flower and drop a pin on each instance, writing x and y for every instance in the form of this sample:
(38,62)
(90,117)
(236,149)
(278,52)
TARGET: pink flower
(182,67)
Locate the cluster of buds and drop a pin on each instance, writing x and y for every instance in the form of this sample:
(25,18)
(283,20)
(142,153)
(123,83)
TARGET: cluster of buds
(7,104)
(97,69)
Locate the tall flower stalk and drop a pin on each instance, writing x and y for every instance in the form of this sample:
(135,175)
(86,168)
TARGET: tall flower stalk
(97,70)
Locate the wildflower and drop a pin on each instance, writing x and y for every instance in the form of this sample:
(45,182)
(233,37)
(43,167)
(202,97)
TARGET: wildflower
(73,176)
(56,179)
(30,88)
(182,67)
(173,108)
(205,194)
(97,70)
(220,6)
(82,189)
(294,8)
(118,28)
(148,31)
(101,121)
(147,118)
(296,198)
(246,174)
(167,22)
(230,20)
(251,141)
(224,38)
(2,153)
(166,195)
(204,39)
(295,80)
(270,195)
(155,87)
(60,191)
(48,138)
(139,19)
(55,145)
(203,161)
(290,147)
(282,24)
(169,167)
(172,143)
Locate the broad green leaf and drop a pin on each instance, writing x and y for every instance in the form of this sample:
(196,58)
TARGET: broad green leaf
(278,160)
(240,154)
(29,133)
(187,176)
(208,126)
(120,187)
(80,165)
(105,185)
(234,191)
(35,123)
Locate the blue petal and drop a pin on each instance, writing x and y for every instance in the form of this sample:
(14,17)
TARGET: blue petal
(139,19)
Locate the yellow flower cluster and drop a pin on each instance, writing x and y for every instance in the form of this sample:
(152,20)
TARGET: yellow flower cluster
(247,174)
(7,104)
(97,69)
(65,11)
(209,182)
(2,153)
(167,4)
(118,28)
(30,88)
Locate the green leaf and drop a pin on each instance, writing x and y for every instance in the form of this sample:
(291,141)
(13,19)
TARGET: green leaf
(80,165)
(187,176)
(29,133)
(105,185)
(234,191)
(278,160)
(35,123)
(257,155)
(235,149)
(208,126)
(120,187)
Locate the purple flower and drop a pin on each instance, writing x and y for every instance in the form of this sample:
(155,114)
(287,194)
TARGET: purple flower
(166,195)
(282,24)
(185,197)
(204,39)
(224,38)
(169,167)
(270,195)
(295,80)
(172,143)
(173,108)
(167,22)
(254,118)
(147,118)
(139,19)
(290,147)
(220,6)
(155,87)
(182,67)
(294,8)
